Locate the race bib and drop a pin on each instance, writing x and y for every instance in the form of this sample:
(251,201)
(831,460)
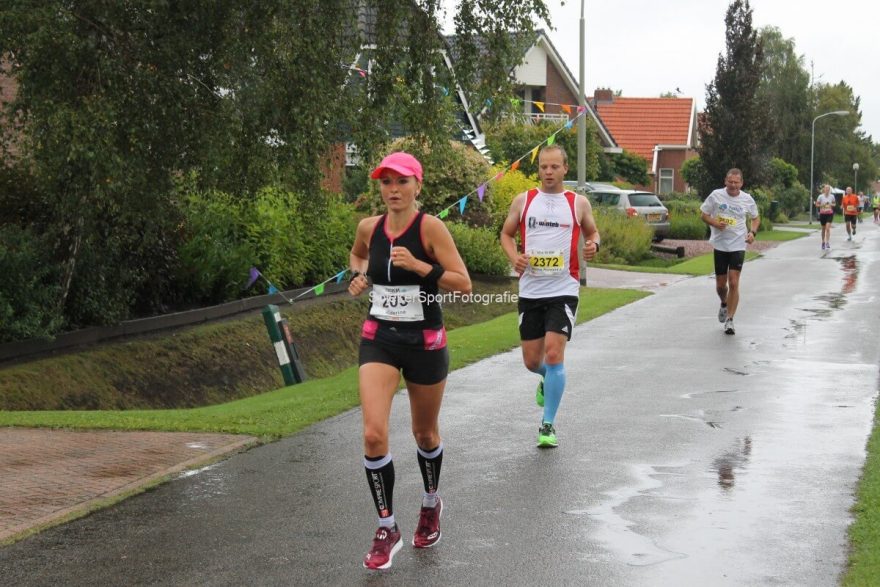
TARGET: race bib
(851,209)
(546,262)
(400,303)
(729,220)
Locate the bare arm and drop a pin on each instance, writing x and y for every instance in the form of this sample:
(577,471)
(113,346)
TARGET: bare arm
(520,261)
(712,222)
(588,228)
(359,257)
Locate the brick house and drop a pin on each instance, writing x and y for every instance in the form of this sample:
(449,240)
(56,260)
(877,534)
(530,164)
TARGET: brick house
(663,131)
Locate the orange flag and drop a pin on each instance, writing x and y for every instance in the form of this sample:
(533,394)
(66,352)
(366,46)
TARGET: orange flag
(515,165)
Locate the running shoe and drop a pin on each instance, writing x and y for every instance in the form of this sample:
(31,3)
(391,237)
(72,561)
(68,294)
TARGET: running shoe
(722,312)
(547,436)
(428,529)
(539,393)
(728,327)
(386,543)
(823,246)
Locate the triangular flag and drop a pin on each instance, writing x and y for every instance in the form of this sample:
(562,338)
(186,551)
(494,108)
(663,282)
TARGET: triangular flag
(339,276)
(515,165)
(540,106)
(481,191)
(499,175)
(443,214)
(461,204)
(551,139)
(272,289)
(514,102)
(534,154)
(254,276)
(566,108)
(319,289)
(581,109)
(568,124)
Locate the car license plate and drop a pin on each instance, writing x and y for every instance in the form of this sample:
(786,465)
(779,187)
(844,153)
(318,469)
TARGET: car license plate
(654,217)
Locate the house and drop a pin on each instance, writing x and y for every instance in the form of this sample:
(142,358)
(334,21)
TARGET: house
(663,131)
(543,78)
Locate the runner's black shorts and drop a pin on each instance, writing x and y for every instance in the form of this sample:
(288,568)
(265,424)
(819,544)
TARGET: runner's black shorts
(540,316)
(851,218)
(825,218)
(729,261)
(419,366)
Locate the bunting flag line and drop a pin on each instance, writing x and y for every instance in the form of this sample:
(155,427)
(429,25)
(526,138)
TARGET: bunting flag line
(254,276)
(541,105)
(461,204)
(272,289)
(481,190)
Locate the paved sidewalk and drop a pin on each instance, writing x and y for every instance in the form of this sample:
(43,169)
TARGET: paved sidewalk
(49,476)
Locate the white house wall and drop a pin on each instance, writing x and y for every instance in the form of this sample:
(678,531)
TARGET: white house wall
(533,70)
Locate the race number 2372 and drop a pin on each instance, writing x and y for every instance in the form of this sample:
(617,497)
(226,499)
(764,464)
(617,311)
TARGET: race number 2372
(546,262)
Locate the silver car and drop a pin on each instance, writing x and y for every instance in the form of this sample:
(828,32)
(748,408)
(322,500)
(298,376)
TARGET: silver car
(635,203)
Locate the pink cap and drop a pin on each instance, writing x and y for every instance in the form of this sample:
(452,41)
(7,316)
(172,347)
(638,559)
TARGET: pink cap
(402,163)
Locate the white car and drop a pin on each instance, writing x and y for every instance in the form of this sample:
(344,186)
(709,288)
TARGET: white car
(635,203)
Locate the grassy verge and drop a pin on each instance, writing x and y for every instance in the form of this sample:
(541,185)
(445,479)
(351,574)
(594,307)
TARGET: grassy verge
(287,410)
(702,265)
(864,534)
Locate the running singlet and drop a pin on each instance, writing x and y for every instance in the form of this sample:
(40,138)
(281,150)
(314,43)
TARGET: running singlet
(549,230)
(850,205)
(401,298)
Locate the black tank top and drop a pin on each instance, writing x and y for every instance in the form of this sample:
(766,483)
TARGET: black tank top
(382,272)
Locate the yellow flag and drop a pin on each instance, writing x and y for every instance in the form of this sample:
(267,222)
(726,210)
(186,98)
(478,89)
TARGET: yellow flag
(540,106)
(534,154)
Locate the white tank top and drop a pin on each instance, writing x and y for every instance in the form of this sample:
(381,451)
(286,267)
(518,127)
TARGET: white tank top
(549,230)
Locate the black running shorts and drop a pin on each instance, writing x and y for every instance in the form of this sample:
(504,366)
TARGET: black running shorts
(729,261)
(419,366)
(825,218)
(851,218)
(540,316)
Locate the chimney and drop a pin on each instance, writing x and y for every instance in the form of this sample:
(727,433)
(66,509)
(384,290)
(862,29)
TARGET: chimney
(603,96)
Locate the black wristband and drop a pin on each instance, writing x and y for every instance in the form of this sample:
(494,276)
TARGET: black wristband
(436,273)
(597,245)
(353,275)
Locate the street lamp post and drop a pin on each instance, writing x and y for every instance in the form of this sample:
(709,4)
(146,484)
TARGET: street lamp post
(813,148)
(582,121)
(855,178)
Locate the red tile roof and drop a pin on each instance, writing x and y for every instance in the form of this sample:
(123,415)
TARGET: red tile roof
(637,124)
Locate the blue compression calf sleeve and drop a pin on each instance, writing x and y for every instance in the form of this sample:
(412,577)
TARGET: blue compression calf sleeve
(554,386)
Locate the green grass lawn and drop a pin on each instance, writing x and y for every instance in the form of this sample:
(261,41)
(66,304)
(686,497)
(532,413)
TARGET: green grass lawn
(864,534)
(284,411)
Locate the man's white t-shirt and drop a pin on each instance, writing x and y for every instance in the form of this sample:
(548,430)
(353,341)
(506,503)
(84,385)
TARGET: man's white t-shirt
(824,201)
(732,210)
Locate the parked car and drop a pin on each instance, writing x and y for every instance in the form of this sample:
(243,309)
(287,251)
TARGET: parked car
(589,186)
(635,203)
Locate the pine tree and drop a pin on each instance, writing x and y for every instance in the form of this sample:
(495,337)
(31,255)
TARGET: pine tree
(733,126)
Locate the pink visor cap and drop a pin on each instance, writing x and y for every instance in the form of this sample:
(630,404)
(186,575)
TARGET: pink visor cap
(402,163)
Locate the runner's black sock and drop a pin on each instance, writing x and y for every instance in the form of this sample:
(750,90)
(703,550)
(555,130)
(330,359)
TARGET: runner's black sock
(429,464)
(380,476)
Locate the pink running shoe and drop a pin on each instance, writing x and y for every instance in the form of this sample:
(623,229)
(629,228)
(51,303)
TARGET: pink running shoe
(428,529)
(386,543)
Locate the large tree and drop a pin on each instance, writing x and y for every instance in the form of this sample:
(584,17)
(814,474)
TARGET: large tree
(733,129)
(120,100)
(785,92)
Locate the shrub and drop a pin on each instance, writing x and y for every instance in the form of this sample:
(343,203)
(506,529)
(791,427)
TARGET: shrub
(687,227)
(480,249)
(624,240)
(29,290)
(294,240)
(501,193)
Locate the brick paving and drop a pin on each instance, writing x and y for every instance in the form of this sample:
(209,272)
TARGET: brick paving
(48,475)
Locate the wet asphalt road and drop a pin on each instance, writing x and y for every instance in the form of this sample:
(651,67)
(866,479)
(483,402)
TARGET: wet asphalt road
(687,457)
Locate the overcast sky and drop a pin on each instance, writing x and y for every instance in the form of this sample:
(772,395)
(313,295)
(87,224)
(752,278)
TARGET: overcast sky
(648,47)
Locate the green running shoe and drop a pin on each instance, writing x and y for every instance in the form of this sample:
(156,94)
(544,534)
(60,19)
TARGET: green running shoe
(547,436)
(539,394)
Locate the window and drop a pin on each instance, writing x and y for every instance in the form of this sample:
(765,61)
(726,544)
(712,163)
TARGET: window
(667,177)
